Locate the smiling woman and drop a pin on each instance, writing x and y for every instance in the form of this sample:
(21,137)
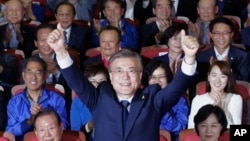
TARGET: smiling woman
(210,122)
(220,91)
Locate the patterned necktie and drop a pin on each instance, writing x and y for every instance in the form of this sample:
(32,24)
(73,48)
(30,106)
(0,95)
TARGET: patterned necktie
(125,105)
(202,33)
(13,41)
(65,38)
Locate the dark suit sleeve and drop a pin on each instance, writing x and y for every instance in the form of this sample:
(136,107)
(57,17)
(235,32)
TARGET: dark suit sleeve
(167,97)
(240,64)
(10,69)
(2,35)
(147,34)
(248,111)
(3,113)
(80,84)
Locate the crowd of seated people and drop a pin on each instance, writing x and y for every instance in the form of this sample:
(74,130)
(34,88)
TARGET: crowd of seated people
(111,26)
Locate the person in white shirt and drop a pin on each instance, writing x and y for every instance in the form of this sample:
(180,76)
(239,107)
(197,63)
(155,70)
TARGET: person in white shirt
(219,91)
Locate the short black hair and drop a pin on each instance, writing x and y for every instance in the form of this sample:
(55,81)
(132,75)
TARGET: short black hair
(171,31)
(43,26)
(112,28)
(66,3)
(46,112)
(206,111)
(35,59)
(93,69)
(152,66)
(221,20)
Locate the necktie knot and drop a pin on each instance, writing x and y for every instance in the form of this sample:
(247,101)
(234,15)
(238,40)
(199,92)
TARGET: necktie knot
(125,103)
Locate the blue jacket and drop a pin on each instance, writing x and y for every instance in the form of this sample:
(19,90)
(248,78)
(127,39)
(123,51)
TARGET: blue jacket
(18,110)
(129,37)
(79,114)
(176,119)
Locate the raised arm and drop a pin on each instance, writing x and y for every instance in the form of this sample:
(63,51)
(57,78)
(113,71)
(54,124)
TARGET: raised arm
(169,96)
(73,76)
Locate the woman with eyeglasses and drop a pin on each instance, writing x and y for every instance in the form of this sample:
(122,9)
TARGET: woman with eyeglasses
(220,91)
(174,121)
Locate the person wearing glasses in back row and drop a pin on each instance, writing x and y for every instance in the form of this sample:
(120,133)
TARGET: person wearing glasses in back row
(221,32)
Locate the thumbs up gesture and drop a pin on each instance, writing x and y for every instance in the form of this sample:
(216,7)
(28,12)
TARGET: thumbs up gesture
(56,41)
(190,47)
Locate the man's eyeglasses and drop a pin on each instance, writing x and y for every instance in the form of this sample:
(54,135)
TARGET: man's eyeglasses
(130,72)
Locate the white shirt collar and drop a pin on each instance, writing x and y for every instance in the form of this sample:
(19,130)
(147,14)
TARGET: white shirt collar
(221,56)
(129,100)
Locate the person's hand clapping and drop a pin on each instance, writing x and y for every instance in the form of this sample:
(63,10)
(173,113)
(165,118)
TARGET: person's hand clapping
(190,47)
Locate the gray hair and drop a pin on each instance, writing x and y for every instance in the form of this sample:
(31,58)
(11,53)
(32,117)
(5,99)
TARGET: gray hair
(126,53)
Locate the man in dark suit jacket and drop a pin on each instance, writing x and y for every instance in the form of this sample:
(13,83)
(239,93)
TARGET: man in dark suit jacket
(76,35)
(151,34)
(221,32)
(15,34)
(125,70)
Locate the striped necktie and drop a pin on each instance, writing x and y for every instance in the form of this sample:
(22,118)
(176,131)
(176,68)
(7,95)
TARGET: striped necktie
(65,38)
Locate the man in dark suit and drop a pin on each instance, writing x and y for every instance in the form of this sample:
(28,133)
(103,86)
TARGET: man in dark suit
(15,34)
(131,122)
(150,34)
(110,38)
(76,35)
(221,32)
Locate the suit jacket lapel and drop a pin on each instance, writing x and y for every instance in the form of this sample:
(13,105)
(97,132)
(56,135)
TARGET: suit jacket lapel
(117,112)
(135,109)
(231,55)
(72,36)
